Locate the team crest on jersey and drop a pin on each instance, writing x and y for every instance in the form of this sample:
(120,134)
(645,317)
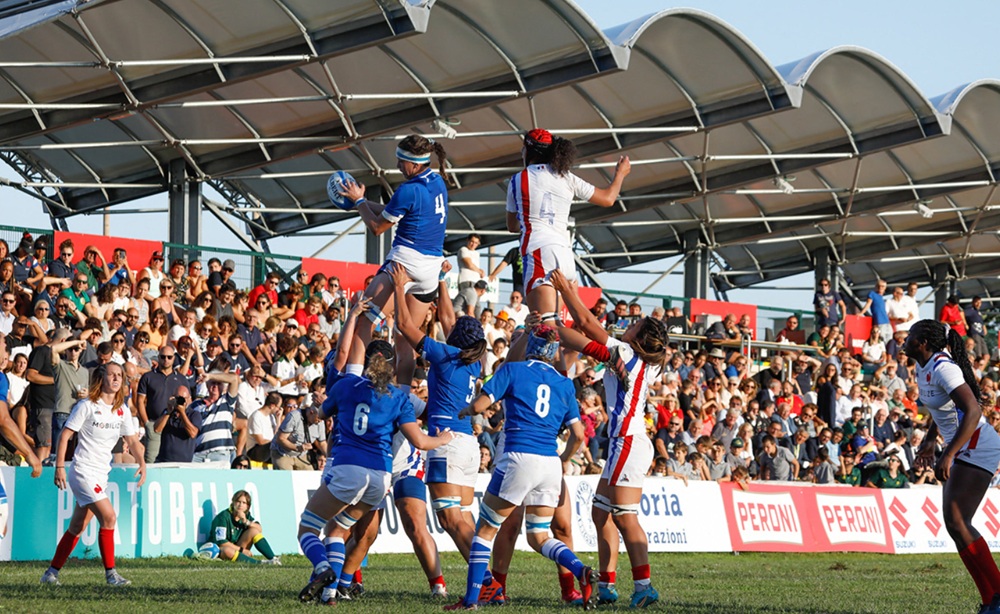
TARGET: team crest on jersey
(928,378)
(120,412)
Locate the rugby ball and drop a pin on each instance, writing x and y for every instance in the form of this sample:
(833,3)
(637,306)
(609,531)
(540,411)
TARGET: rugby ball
(334,185)
(208,551)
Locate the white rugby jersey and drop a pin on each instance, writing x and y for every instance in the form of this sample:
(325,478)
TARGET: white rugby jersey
(626,402)
(408,461)
(936,380)
(98,428)
(541,199)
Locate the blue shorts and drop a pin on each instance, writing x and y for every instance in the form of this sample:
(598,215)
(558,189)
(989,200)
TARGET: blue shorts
(410,487)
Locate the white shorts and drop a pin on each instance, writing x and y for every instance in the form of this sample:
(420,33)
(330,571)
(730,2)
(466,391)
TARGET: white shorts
(983,449)
(353,484)
(456,462)
(539,264)
(628,461)
(422,269)
(87,488)
(531,479)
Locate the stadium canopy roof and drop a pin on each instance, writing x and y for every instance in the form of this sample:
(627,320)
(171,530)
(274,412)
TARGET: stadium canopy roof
(764,166)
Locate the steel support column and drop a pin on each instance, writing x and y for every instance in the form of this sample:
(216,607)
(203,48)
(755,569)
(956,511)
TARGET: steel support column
(943,284)
(695,266)
(184,207)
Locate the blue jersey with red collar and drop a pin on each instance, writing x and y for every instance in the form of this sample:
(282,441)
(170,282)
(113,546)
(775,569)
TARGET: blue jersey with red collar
(419,208)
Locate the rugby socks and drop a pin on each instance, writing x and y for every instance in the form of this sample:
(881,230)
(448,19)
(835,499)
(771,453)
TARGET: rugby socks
(334,554)
(607,579)
(640,577)
(242,558)
(106,542)
(479,562)
(983,569)
(345,581)
(567,584)
(313,549)
(64,549)
(557,551)
(262,546)
(357,576)
(499,577)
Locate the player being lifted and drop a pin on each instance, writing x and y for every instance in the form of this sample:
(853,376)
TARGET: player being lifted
(419,210)
(539,403)
(538,206)
(633,363)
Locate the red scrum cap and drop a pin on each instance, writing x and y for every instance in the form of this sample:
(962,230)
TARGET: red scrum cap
(538,139)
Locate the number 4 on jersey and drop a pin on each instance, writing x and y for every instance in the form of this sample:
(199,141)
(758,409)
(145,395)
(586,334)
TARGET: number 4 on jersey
(439,208)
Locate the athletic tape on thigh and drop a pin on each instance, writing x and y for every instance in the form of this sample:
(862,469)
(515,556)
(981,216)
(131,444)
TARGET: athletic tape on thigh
(467,508)
(490,517)
(375,315)
(312,521)
(550,315)
(345,521)
(603,503)
(537,524)
(446,503)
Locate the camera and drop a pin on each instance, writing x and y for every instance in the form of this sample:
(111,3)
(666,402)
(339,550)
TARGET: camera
(179,402)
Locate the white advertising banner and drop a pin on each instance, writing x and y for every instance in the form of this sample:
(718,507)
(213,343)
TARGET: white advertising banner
(917,524)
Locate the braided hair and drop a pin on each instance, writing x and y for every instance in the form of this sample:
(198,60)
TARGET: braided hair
(939,336)
(651,341)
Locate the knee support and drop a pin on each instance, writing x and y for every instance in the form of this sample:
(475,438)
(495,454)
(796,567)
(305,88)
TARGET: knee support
(537,524)
(488,516)
(312,521)
(345,521)
(603,503)
(446,503)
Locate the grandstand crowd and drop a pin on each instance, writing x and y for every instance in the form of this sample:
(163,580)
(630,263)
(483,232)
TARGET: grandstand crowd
(818,411)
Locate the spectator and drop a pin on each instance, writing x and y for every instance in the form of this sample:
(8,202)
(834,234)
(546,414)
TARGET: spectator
(679,467)
(891,477)
(724,330)
(825,468)
(790,332)
(485,459)
(953,316)
(512,258)
(776,463)
(251,335)
(178,427)
(62,267)
(291,444)
(118,270)
(901,316)
(218,409)
(218,278)
(154,274)
(873,351)
(670,437)
(773,372)
(976,326)
(262,425)
(830,307)
(718,469)
(42,396)
(462,304)
(516,309)
(186,328)
(154,391)
(8,300)
(804,449)
(269,288)
(725,431)
(849,473)
(468,272)
(875,306)
(70,379)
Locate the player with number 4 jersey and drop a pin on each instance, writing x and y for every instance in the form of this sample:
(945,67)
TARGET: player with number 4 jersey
(419,211)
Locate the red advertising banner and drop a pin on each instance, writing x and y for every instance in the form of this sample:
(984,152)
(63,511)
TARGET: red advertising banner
(700,306)
(137,250)
(856,331)
(790,518)
(589,297)
(352,275)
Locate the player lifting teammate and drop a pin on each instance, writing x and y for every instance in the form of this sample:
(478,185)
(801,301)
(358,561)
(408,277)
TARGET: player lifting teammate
(539,402)
(632,362)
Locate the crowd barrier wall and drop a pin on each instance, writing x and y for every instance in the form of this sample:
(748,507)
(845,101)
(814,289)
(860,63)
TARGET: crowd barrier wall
(172,512)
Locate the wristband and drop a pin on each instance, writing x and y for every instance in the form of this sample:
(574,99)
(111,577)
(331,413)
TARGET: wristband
(358,202)
(441,276)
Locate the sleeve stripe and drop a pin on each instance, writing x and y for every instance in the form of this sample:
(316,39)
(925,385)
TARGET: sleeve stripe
(390,217)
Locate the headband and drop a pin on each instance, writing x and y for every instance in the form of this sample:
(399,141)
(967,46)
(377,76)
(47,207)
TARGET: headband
(408,156)
(947,331)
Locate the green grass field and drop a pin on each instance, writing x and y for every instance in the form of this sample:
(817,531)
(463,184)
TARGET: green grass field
(700,583)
